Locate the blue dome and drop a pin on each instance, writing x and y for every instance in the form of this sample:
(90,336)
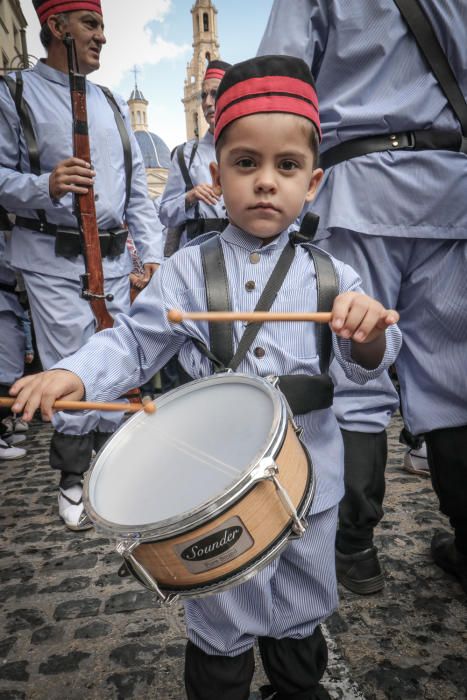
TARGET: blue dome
(155,152)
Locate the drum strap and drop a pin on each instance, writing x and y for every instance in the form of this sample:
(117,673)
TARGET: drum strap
(304,393)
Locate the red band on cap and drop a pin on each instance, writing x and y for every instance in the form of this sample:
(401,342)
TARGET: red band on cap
(271,83)
(54,7)
(275,93)
(269,103)
(214,74)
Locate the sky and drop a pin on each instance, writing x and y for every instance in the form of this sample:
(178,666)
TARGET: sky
(156,36)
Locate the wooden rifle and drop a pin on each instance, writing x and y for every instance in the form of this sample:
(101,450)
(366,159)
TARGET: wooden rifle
(92,282)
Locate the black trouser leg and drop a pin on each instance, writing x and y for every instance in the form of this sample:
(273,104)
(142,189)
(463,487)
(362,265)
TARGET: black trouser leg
(100,439)
(4,391)
(217,677)
(447,459)
(295,667)
(361,509)
(71,455)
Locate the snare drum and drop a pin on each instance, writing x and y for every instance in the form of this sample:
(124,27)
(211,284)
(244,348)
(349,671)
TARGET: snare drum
(204,492)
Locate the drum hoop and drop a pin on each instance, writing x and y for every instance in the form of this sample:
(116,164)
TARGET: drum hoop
(189,520)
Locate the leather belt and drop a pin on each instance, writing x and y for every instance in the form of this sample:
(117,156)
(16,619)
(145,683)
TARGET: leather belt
(51,229)
(424,139)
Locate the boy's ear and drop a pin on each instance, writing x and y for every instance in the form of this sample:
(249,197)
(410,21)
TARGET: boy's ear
(316,177)
(216,181)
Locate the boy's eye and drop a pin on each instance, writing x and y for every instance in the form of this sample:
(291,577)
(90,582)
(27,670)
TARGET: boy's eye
(288,165)
(245,163)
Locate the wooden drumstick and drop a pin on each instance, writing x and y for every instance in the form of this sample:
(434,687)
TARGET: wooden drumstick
(147,406)
(177,316)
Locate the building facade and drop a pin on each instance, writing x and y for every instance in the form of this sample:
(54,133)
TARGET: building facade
(205,49)
(13,46)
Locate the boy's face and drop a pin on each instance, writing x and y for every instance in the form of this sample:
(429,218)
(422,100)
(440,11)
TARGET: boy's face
(266,172)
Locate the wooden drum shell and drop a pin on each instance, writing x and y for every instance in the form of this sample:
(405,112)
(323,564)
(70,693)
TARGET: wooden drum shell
(261,513)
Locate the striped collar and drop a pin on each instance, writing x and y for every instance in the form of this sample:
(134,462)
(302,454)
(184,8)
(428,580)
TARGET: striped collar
(237,237)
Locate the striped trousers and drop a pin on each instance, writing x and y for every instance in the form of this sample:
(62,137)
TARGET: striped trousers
(288,598)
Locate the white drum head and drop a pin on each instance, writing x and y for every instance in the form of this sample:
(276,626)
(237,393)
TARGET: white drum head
(203,438)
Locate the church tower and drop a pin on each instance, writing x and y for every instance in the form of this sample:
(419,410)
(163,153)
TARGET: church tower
(206,48)
(155,152)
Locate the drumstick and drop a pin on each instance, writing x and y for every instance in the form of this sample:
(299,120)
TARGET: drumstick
(177,316)
(148,406)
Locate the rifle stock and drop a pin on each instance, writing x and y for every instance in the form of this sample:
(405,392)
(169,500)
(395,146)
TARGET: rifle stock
(92,282)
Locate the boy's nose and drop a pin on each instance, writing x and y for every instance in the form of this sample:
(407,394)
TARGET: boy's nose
(265,180)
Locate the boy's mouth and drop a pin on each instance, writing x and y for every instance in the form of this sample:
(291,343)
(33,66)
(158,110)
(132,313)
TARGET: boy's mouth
(266,206)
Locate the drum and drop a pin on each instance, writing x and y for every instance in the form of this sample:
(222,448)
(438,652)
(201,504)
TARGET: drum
(203,493)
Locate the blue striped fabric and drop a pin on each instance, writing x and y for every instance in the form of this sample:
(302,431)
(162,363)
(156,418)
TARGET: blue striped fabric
(288,598)
(141,343)
(372,79)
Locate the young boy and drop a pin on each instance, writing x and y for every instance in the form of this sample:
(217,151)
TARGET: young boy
(267,131)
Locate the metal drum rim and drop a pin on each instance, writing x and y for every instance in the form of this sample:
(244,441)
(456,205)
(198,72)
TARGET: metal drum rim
(171,527)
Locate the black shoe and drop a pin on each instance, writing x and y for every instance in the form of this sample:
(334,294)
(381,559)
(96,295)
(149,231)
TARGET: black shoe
(446,555)
(360,572)
(267,692)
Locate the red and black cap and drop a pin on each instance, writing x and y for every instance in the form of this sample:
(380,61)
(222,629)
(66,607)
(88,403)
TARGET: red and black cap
(46,8)
(266,84)
(216,70)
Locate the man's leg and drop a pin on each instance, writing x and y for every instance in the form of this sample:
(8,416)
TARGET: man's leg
(434,383)
(363,413)
(63,322)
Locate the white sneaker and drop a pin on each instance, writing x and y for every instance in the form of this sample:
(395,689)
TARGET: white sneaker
(7,452)
(416,462)
(71,509)
(13,439)
(15,425)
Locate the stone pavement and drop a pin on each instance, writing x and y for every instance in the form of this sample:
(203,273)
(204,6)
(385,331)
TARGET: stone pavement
(71,628)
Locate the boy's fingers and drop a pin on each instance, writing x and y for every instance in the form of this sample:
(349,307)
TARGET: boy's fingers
(367,325)
(340,310)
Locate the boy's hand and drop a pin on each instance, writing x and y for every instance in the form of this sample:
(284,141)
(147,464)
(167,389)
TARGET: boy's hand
(360,317)
(42,390)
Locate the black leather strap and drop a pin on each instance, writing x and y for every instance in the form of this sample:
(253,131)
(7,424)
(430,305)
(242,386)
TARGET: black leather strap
(328,289)
(10,288)
(217,295)
(182,164)
(196,227)
(16,91)
(125,139)
(434,54)
(420,140)
(305,393)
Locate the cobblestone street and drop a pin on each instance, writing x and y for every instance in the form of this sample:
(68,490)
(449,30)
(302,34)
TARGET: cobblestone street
(71,628)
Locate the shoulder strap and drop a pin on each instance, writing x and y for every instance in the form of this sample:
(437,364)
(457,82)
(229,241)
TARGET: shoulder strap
(125,139)
(420,26)
(16,91)
(182,165)
(327,290)
(217,296)
(215,275)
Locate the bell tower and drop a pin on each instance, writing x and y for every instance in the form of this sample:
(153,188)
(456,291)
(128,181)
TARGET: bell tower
(206,48)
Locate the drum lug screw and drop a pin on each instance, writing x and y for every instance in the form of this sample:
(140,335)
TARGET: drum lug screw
(266,469)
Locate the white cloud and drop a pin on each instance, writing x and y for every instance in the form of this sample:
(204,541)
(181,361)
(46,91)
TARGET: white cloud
(129,37)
